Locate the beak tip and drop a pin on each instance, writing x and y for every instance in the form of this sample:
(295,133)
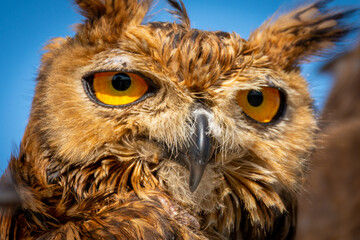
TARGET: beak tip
(192,189)
(196,173)
(193,186)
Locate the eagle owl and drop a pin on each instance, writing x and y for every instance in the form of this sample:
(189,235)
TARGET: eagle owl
(156,130)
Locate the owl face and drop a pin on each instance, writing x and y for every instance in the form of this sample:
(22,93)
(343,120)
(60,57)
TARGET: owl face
(209,115)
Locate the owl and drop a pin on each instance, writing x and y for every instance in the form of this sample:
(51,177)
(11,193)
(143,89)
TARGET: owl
(156,130)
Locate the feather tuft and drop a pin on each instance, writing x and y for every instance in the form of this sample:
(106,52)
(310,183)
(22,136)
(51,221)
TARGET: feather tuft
(180,12)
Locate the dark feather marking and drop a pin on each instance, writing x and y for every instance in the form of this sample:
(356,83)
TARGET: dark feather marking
(176,40)
(210,57)
(194,35)
(221,34)
(91,9)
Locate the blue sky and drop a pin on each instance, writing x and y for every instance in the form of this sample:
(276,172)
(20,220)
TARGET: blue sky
(25,26)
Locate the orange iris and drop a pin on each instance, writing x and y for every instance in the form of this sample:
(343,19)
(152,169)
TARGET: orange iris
(261,105)
(118,88)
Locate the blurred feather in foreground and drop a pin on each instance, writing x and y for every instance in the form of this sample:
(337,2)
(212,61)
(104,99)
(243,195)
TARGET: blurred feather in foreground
(331,207)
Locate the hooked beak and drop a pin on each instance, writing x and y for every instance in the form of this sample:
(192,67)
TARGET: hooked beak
(199,153)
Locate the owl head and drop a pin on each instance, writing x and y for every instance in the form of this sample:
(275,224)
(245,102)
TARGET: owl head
(222,124)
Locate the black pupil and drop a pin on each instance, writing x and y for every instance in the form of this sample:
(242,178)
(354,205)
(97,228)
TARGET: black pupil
(121,81)
(255,98)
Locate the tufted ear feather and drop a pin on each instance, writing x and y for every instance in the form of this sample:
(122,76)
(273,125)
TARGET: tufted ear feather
(106,19)
(91,9)
(300,34)
(52,47)
(180,12)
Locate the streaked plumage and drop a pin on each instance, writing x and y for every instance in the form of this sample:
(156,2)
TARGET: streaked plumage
(90,170)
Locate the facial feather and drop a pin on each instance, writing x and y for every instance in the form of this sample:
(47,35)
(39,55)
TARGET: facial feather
(122,166)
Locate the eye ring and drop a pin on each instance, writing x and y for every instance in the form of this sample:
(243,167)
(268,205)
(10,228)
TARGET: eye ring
(266,109)
(88,84)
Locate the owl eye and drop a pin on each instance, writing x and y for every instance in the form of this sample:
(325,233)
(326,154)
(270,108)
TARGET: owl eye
(264,105)
(117,88)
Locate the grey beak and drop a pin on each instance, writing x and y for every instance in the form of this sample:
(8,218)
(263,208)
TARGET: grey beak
(199,152)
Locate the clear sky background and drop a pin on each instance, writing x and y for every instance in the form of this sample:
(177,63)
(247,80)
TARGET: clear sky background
(26,25)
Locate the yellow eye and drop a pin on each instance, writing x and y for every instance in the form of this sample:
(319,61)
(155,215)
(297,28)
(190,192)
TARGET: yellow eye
(118,88)
(263,105)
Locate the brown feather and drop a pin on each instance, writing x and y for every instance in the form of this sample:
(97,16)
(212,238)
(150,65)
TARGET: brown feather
(295,37)
(88,171)
(180,12)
